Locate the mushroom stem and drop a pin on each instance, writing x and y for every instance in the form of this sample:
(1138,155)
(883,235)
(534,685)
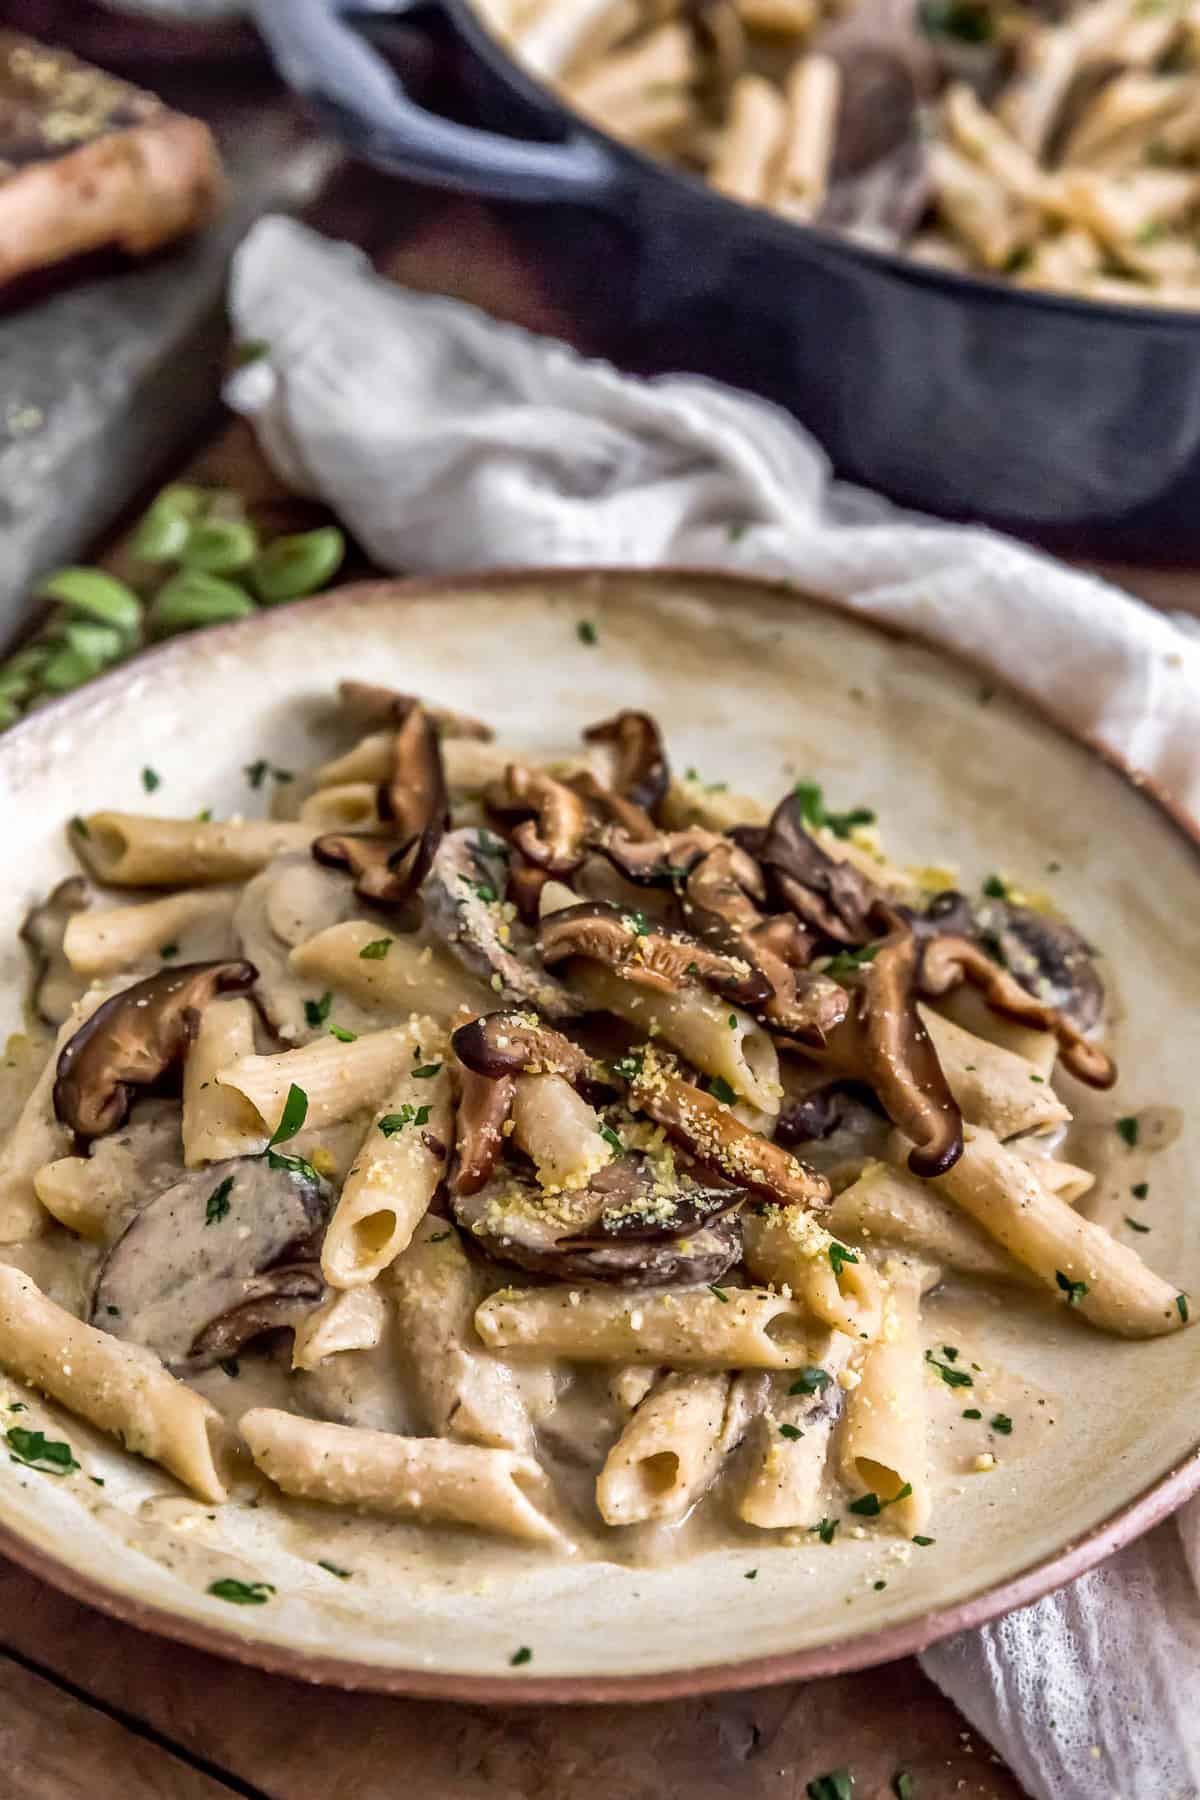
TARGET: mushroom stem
(949,961)
(485,1106)
(719,1140)
(641,772)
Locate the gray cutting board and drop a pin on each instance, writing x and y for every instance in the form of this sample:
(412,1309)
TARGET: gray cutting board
(103,384)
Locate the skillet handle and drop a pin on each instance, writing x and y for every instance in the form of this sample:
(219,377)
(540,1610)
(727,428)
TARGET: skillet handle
(333,66)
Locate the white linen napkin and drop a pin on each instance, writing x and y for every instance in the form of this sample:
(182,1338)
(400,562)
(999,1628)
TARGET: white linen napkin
(448,441)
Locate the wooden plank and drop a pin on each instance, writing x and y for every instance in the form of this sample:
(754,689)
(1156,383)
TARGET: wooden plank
(54,1746)
(300,1743)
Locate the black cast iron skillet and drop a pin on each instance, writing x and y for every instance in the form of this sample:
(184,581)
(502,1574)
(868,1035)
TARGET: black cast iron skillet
(1072,422)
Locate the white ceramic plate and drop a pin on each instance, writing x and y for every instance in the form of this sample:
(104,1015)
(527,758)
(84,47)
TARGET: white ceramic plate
(755,686)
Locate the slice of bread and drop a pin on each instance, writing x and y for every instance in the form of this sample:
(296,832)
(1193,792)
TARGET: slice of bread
(88,162)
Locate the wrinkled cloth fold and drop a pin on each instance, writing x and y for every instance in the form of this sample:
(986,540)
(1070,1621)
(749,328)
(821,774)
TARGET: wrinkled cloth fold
(447,441)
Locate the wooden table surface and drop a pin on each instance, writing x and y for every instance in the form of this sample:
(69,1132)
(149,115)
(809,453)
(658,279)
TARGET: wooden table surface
(92,1709)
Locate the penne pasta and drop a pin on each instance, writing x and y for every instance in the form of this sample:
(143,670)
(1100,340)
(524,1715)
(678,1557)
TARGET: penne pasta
(558,1131)
(219,1121)
(784,1466)
(120,1387)
(120,937)
(351,1319)
(424,1478)
(37,1137)
(669,1452)
(338,1079)
(883,1448)
(401,975)
(347,806)
(698,1327)
(813,95)
(465,1392)
(749,148)
(127,850)
(398,1168)
(694,1022)
(784,1246)
(994,1087)
(889,1207)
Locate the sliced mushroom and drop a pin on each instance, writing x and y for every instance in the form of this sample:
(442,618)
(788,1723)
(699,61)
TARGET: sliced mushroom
(611,810)
(718,1140)
(663,860)
(524,888)
(580,1236)
(810,1117)
(948,961)
(641,773)
(368,704)
(288,902)
(226,1253)
(56,987)
(518,1043)
(485,1106)
(384,869)
(653,956)
(414,797)
(555,838)
(134,1040)
(883,1043)
(831,896)
(464,906)
(1050,959)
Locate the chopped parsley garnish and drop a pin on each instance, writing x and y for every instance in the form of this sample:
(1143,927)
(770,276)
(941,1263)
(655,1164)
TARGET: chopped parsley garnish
(750,1575)
(1127,1129)
(611,1139)
(972,1412)
(869,1506)
(151,779)
(439,1237)
(37,1451)
(1181,1307)
(586,632)
(953,1378)
(295,1111)
(924,1542)
(1140,1189)
(317,1011)
(722,1296)
(792,1432)
(950,1352)
(902,1781)
(114,1312)
(837,1785)
(733,1022)
(19,1405)
(483,890)
(812,1380)
(231,1366)
(1001,1423)
(217,1205)
(342,1035)
(878,1585)
(1074,1290)
(839,1256)
(376,950)
(521,1656)
(628,1067)
(846,960)
(814,811)
(257,772)
(204,816)
(241,1593)
(736,531)
(391,1123)
(167,951)
(1040,1079)
(487,844)
(638,923)
(426,1072)
(79,827)
(826,1530)
(994,888)
(332,1569)
(1135,1224)
(721,1090)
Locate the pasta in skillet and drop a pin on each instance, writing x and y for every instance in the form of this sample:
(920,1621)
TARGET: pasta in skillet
(523,1121)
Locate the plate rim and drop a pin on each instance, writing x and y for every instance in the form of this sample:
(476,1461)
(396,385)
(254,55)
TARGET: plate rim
(1154,1503)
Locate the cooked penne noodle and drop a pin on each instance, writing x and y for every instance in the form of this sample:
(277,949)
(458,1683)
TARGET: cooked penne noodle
(409,976)
(888,1206)
(994,1087)
(669,1452)
(470,763)
(120,1387)
(967,1008)
(571,33)
(36,1138)
(1065,1179)
(883,1447)
(338,1079)
(787,18)
(694,1022)
(398,1167)
(694,802)
(464,1391)
(749,148)
(218,1121)
(783,1245)
(697,1327)
(425,1478)
(1103,1279)
(127,850)
(104,943)
(558,1131)
(813,91)
(628,1387)
(351,1319)
(788,1447)
(343,807)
